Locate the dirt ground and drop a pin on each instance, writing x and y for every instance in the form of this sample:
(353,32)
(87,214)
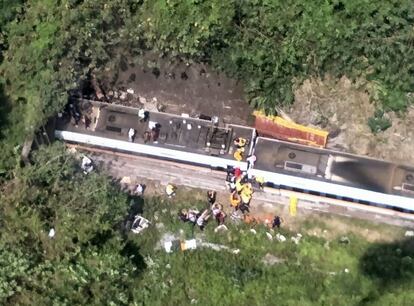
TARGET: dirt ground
(183,88)
(343,109)
(329,227)
(338,106)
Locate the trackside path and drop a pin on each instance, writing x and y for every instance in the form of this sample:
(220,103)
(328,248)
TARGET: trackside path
(264,203)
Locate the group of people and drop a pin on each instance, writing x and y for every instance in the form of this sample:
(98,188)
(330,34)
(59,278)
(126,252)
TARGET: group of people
(153,131)
(72,113)
(241,189)
(240,143)
(201,218)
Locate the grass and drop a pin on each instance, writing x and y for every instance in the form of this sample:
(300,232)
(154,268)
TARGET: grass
(317,271)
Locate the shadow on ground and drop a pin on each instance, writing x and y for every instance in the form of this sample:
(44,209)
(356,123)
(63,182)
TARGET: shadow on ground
(388,264)
(5,109)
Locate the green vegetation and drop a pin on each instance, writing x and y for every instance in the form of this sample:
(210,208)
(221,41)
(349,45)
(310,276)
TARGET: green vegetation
(94,260)
(48,47)
(378,122)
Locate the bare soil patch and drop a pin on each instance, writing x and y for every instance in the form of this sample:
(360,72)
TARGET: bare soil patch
(182,88)
(343,108)
(339,106)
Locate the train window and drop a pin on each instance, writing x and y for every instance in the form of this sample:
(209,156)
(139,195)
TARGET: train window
(114,129)
(408,187)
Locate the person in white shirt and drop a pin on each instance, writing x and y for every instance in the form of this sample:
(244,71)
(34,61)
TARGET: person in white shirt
(131,135)
(139,190)
(250,161)
(86,166)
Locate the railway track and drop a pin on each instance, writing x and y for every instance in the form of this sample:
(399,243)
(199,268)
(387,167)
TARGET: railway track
(264,202)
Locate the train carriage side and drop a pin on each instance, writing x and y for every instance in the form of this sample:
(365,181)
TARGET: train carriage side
(183,139)
(334,174)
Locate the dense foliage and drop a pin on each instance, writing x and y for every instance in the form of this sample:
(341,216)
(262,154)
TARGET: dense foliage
(86,261)
(49,46)
(94,260)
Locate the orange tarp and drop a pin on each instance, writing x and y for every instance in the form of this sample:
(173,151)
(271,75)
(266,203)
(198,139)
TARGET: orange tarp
(277,127)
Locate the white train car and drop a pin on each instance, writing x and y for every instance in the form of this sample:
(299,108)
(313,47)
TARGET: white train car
(334,174)
(149,150)
(287,165)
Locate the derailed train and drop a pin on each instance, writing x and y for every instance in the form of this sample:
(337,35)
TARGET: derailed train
(282,164)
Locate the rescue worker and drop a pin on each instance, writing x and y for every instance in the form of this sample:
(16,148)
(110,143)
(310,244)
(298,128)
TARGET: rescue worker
(155,133)
(211,197)
(139,190)
(202,219)
(250,161)
(170,190)
(143,115)
(277,221)
(245,198)
(238,155)
(244,208)
(237,172)
(235,200)
(147,136)
(86,165)
(232,184)
(182,215)
(240,142)
(239,185)
(74,113)
(260,180)
(216,208)
(220,218)
(247,189)
(131,135)
(229,177)
(193,215)
(218,213)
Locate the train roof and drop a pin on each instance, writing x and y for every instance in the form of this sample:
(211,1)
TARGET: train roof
(175,132)
(337,167)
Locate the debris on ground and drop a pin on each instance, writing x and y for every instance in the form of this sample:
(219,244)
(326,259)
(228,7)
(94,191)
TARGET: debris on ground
(171,244)
(86,165)
(159,225)
(269,236)
(177,244)
(139,224)
(217,247)
(296,238)
(52,233)
(221,228)
(126,180)
(409,234)
(253,231)
(344,240)
(170,190)
(271,260)
(280,237)
(139,189)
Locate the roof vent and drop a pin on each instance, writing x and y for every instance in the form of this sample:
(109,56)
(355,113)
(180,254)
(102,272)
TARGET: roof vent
(297,167)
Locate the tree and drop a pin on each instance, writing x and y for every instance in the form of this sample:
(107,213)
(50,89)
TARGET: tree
(89,258)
